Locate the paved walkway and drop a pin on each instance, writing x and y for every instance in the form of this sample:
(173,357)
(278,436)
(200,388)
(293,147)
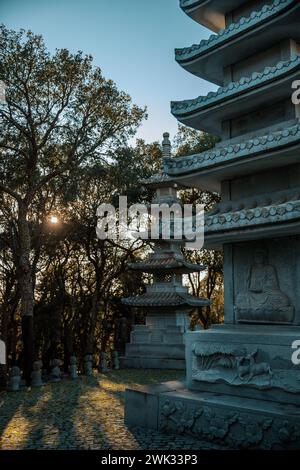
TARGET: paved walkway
(84,414)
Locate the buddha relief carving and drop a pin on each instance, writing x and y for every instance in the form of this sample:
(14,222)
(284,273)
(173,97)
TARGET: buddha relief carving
(263,301)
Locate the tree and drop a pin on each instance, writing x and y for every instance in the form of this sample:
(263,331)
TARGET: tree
(189,141)
(209,285)
(60,114)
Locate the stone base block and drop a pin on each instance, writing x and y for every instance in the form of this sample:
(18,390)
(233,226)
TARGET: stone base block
(142,404)
(171,351)
(227,421)
(154,356)
(237,423)
(151,362)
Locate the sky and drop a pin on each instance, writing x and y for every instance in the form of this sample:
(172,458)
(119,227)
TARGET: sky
(133,42)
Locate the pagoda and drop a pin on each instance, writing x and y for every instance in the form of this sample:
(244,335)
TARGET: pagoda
(167,303)
(242,388)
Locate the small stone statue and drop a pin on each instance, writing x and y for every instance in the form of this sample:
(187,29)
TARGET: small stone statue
(14,379)
(115,360)
(55,372)
(103,364)
(73,367)
(36,374)
(88,365)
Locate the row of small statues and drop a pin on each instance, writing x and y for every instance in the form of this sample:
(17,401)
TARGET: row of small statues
(14,382)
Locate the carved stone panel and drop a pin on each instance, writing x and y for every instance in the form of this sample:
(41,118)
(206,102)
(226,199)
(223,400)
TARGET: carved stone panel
(242,365)
(226,426)
(266,277)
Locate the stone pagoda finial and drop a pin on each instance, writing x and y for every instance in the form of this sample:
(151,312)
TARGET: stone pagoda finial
(166,146)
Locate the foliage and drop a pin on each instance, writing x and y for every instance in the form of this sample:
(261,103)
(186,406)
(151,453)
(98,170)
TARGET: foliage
(63,151)
(61,124)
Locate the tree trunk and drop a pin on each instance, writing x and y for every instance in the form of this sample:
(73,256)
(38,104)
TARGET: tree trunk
(26,294)
(9,307)
(3,337)
(92,324)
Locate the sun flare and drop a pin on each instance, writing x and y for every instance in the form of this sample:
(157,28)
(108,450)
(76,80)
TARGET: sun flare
(54,219)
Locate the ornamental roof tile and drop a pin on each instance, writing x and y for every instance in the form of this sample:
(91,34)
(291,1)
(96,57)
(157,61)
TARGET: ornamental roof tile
(157,178)
(165,299)
(160,180)
(280,207)
(180,108)
(167,263)
(219,155)
(267,12)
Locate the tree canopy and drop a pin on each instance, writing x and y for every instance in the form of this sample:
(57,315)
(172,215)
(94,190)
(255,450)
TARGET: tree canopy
(64,149)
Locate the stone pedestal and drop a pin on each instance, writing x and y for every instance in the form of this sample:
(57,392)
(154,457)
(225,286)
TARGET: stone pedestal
(233,422)
(160,344)
(241,390)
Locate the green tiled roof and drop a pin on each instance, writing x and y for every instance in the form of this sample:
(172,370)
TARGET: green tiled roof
(165,299)
(266,13)
(220,155)
(181,108)
(249,217)
(166,264)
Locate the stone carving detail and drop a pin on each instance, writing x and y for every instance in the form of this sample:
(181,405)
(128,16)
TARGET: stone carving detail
(222,363)
(263,302)
(228,428)
(248,369)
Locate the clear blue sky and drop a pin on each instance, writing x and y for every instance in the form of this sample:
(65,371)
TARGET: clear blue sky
(132,41)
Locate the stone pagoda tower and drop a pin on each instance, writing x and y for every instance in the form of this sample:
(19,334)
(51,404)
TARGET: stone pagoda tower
(160,343)
(243,377)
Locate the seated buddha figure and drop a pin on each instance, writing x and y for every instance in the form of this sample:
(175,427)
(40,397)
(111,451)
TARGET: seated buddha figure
(263,302)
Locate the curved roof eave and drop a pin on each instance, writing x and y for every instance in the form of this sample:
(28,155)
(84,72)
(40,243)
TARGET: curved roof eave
(210,13)
(206,113)
(208,59)
(206,170)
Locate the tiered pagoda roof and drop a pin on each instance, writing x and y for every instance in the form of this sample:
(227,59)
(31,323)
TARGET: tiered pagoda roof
(166,299)
(207,112)
(232,159)
(161,180)
(239,39)
(167,262)
(254,215)
(255,58)
(211,13)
